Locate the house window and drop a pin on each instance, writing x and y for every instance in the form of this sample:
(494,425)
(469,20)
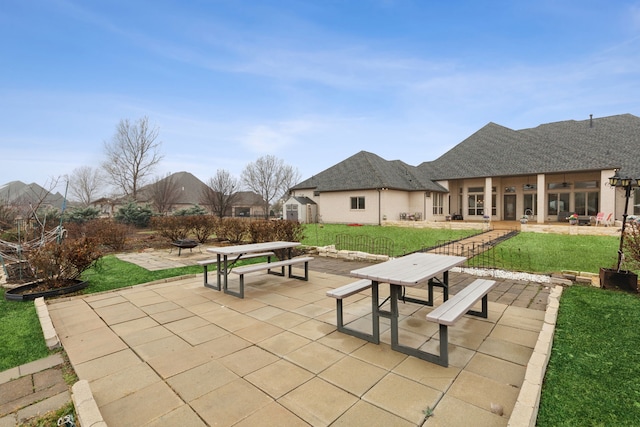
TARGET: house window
(438,202)
(586,184)
(586,203)
(494,202)
(476,204)
(559,185)
(243,211)
(357,203)
(558,202)
(530,204)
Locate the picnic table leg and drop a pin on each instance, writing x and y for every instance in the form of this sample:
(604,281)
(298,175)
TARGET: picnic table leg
(375,313)
(218,272)
(395,291)
(441,359)
(225,272)
(206,275)
(444,284)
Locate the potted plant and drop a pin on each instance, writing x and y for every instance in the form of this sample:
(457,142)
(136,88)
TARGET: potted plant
(524,219)
(57,267)
(629,253)
(573,218)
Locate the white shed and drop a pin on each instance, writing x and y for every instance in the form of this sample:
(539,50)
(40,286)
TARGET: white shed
(301,209)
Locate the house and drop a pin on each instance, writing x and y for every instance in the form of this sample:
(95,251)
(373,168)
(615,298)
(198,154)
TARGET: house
(182,190)
(17,193)
(248,204)
(544,172)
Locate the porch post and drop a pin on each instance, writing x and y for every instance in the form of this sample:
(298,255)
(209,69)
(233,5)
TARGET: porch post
(488,199)
(541,192)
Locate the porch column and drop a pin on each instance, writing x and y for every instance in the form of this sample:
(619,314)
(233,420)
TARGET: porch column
(488,199)
(541,192)
(607,194)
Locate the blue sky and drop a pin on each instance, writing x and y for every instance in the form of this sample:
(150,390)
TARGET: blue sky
(311,82)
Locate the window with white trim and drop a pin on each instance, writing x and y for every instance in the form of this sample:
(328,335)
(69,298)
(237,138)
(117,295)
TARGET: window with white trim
(357,203)
(438,203)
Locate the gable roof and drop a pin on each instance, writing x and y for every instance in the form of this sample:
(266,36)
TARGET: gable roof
(302,200)
(190,188)
(19,192)
(593,144)
(248,198)
(364,171)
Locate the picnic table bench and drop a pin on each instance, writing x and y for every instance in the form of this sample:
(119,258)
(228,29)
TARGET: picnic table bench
(205,263)
(454,308)
(268,266)
(343,292)
(226,257)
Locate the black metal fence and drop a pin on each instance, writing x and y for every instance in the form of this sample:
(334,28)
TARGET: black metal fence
(364,243)
(485,253)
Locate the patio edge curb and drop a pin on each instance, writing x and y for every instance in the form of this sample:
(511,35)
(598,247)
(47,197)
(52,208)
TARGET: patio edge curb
(86,407)
(525,411)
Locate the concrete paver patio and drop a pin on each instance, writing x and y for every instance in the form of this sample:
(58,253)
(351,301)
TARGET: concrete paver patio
(177,353)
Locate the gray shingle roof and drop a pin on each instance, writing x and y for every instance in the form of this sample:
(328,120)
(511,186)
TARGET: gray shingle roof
(21,193)
(604,143)
(304,200)
(567,146)
(366,170)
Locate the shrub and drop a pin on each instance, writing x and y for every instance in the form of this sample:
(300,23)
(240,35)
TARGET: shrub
(81,215)
(202,226)
(193,210)
(290,231)
(109,233)
(260,231)
(134,214)
(231,229)
(171,227)
(632,244)
(57,263)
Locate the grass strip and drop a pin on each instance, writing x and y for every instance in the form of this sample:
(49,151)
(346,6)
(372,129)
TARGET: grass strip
(593,377)
(21,339)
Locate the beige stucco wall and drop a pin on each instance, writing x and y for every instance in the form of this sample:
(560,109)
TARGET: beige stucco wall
(335,207)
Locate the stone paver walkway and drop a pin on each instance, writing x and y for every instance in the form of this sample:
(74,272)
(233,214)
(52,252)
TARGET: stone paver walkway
(31,390)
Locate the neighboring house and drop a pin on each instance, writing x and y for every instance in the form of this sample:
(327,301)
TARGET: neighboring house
(106,205)
(248,204)
(544,172)
(19,193)
(301,209)
(187,191)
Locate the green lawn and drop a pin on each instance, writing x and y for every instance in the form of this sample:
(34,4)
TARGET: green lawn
(405,240)
(593,377)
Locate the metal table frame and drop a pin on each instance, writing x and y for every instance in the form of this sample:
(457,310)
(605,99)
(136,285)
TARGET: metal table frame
(410,270)
(225,253)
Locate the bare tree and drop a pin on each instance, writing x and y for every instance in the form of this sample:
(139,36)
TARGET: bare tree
(221,193)
(164,193)
(270,178)
(132,155)
(84,184)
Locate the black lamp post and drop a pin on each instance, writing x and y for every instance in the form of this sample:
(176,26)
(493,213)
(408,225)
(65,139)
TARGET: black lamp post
(626,183)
